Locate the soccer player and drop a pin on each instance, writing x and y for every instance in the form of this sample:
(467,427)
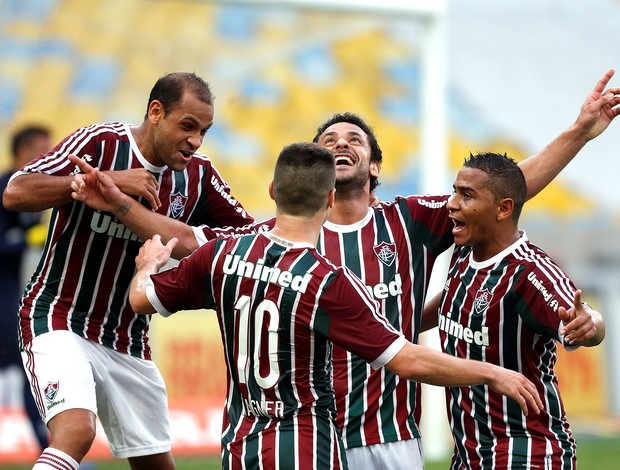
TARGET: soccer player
(506,302)
(85,351)
(391,247)
(280,304)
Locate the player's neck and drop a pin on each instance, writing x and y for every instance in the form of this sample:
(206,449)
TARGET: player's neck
(349,211)
(141,136)
(495,244)
(298,229)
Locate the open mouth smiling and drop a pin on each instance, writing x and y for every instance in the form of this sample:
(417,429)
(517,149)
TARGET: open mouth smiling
(343,160)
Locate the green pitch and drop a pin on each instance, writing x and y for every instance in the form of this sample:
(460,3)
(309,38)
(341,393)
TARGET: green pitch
(592,454)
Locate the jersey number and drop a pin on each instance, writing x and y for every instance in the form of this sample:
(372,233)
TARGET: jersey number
(266,307)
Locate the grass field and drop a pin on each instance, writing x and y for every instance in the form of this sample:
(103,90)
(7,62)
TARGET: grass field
(593,454)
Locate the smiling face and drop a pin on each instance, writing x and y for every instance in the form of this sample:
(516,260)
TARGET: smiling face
(179,132)
(351,150)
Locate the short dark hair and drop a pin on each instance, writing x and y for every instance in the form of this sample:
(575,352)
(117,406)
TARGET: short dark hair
(169,89)
(376,155)
(26,135)
(504,178)
(304,175)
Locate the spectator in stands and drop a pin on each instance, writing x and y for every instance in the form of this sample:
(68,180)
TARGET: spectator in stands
(26,144)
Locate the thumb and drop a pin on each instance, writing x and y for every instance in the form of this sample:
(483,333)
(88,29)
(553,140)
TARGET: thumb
(564,315)
(172,243)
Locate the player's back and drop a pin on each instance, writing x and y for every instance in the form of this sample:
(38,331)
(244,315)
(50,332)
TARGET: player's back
(280,404)
(280,305)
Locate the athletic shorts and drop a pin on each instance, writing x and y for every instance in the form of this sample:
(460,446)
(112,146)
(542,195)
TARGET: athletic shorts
(128,394)
(400,455)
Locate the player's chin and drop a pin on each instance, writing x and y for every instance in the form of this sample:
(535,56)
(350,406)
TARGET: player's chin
(179,165)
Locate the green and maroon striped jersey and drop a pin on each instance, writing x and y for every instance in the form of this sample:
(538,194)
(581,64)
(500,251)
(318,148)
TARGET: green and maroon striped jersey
(81,283)
(392,250)
(280,306)
(504,311)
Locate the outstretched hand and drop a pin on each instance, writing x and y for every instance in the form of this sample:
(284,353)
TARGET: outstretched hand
(599,108)
(154,254)
(518,387)
(582,325)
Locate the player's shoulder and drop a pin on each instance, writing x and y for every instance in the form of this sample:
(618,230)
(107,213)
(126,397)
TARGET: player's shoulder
(423,201)
(536,264)
(527,252)
(201,159)
(105,129)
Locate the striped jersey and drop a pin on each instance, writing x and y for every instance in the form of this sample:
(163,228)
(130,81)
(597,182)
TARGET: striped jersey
(504,311)
(81,283)
(279,306)
(392,250)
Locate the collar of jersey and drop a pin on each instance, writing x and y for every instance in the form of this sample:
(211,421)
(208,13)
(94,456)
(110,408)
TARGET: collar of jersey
(349,227)
(500,256)
(134,147)
(287,243)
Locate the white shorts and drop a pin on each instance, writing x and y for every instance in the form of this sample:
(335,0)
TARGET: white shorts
(128,394)
(400,455)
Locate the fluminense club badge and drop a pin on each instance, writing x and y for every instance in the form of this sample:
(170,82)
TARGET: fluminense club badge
(177,205)
(386,252)
(51,390)
(482,300)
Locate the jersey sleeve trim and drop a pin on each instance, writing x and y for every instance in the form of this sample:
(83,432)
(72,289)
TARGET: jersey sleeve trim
(199,235)
(387,355)
(155,302)
(567,347)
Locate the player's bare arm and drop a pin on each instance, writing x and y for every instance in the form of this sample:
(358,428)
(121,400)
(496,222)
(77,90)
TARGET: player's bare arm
(598,110)
(151,257)
(423,364)
(99,191)
(583,326)
(33,192)
(430,313)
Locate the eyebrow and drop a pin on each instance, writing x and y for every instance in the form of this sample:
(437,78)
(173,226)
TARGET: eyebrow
(464,187)
(348,133)
(195,121)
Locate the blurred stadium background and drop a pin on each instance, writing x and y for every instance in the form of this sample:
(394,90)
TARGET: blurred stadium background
(515,75)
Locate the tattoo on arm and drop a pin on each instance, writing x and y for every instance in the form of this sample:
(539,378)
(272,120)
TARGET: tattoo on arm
(123,209)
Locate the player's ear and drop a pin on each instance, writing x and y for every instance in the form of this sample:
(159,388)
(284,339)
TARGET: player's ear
(375,168)
(155,111)
(271,190)
(331,197)
(504,208)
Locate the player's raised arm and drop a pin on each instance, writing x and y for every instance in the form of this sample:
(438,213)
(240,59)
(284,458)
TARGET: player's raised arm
(597,111)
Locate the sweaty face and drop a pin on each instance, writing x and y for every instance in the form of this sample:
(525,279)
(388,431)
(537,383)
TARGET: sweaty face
(473,211)
(179,133)
(351,150)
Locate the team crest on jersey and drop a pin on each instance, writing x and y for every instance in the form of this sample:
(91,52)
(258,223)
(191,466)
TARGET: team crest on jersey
(482,300)
(177,205)
(386,252)
(51,390)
